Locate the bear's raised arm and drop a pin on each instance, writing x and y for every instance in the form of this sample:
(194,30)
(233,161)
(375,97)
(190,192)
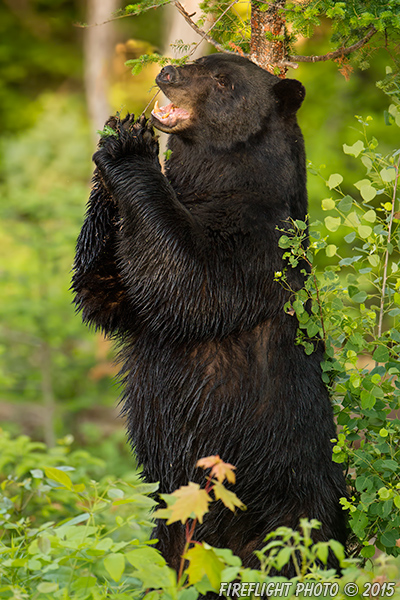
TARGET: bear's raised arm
(144,260)
(99,290)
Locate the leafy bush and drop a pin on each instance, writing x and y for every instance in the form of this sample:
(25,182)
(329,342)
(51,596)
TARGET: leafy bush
(66,535)
(356,309)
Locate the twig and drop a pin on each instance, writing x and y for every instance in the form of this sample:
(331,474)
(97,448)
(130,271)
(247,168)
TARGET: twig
(116,17)
(321,314)
(387,251)
(204,34)
(150,101)
(213,25)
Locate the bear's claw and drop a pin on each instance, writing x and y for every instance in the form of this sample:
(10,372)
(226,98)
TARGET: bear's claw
(132,138)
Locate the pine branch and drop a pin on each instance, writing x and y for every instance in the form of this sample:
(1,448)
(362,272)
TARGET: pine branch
(291,60)
(336,53)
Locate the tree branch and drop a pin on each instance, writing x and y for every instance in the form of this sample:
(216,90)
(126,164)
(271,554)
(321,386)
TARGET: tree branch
(204,35)
(291,60)
(336,53)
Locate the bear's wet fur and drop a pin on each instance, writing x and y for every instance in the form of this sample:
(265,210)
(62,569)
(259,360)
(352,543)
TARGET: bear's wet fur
(180,269)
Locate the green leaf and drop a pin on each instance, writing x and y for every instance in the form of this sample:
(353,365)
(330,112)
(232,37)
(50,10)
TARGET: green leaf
(84,583)
(367,162)
(352,220)
(368,551)
(345,204)
(360,297)
(328,204)
(47,587)
(44,544)
(368,192)
(146,554)
(345,262)
(381,354)
(388,174)
(373,260)
(58,476)
(330,250)
(334,180)
(355,149)
(367,400)
(383,493)
(322,552)
(364,231)
(78,519)
(386,465)
(350,237)
(203,561)
(369,216)
(115,493)
(115,566)
(284,242)
(283,557)
(389,538)
(337,548)
(332,223)
(37,473)
(185,594)
(300,225)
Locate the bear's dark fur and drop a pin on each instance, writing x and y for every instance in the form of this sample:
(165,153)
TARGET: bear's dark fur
(180,268)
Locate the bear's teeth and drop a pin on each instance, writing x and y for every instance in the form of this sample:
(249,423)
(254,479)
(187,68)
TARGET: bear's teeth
(160,111)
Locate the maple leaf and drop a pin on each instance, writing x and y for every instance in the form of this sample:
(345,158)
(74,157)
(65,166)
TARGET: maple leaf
(229,498)
(204,561)
(219,469)
(208,461)
(191,502)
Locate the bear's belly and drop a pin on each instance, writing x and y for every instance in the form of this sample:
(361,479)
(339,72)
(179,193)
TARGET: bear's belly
(234,397)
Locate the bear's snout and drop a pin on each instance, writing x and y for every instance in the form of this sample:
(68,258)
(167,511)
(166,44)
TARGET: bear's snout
(168,74)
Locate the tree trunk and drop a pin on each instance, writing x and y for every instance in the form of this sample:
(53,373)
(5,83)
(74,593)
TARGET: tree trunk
(268,36)
(98,50)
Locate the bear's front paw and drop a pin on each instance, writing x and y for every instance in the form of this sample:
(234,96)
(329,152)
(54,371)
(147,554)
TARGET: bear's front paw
(123,138)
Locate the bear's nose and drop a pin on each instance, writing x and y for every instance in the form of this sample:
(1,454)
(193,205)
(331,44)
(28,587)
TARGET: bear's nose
(168,74)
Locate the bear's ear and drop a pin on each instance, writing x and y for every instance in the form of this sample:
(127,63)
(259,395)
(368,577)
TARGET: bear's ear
(289,95)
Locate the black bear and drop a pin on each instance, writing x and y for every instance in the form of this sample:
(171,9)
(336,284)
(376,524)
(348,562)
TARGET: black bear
(179,267)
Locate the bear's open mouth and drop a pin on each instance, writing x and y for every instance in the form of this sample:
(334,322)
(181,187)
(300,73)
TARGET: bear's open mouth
(169,115)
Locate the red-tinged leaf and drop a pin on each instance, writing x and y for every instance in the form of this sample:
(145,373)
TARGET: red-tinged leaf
(208,462)
(219,469)
(203,561)
(229,498)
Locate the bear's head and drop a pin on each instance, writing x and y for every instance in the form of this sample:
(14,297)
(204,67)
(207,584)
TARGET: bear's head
(224,97)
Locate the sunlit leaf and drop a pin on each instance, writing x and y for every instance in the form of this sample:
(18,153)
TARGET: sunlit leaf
(332,223)
(334,180)
(203,561)
(227,497)
(115,565)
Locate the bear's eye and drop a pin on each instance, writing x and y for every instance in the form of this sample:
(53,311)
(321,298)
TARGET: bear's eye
(221,80)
